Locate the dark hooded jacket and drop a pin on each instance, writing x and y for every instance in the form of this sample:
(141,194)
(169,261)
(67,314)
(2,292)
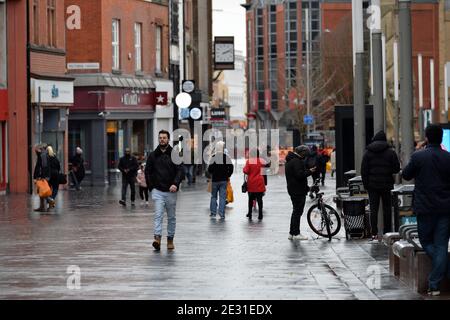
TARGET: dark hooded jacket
(379,164)
(161,173)
(296,175)
(431,171)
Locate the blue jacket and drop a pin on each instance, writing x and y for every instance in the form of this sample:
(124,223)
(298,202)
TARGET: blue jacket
(431,170)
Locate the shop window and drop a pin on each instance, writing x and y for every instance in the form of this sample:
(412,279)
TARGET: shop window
(51,22)
(115,44)
(138,46)
(158,49)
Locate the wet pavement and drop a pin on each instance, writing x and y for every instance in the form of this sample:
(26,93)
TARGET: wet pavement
(213,259)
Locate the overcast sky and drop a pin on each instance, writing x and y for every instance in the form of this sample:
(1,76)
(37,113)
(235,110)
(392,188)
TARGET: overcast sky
(229,20)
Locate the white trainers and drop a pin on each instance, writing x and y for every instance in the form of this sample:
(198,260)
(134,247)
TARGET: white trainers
(290,237)
(300,237)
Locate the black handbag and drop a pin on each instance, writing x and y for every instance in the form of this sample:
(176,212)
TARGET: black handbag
(62,178)
(244,186)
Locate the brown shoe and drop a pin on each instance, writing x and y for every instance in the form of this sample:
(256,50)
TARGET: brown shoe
(157,243)
(170,245)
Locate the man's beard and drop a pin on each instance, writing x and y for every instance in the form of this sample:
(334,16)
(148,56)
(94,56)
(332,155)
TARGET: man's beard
(163,145)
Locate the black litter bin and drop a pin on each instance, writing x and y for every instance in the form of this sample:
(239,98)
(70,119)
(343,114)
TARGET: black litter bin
(356,220)
(402,199)
(356,186)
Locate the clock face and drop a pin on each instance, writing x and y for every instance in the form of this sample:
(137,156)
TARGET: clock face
(224,52)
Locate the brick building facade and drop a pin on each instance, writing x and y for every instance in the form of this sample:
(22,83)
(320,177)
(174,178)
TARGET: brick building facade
(276,44)
(119,57)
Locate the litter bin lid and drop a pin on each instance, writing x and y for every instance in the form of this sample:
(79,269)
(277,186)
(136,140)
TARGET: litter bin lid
(354,199)
(356,179)
(408,188)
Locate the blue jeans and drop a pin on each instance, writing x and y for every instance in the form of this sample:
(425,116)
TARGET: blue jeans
(434,233)
(221,188)
(189,172)
(168,201)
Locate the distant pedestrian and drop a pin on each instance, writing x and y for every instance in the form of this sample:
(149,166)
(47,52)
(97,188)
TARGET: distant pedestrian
(163,178)
(128,165)
(297,174)
(430,167)
(254,167)
(312,161)
(41,173)
(220,168)
(143,188)
(78,171)
(322,160)
(379,164)
(333,162)
(55,169)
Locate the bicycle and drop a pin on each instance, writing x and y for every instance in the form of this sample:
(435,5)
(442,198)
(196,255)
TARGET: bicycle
(322,218)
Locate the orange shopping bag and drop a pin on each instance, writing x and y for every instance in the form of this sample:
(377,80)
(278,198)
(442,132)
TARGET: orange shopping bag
(230,196)
(43,188)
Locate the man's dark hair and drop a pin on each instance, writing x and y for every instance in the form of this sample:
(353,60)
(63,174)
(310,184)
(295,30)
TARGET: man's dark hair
(434,134)
(164,132)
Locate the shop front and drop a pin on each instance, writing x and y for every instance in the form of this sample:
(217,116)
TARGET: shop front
(105,120)
(3,140)
(51,99)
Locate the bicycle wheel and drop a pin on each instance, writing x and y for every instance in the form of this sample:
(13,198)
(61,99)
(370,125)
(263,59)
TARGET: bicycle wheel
(318,224)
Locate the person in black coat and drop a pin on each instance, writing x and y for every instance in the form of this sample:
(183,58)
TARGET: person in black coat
(41,171)
(129,166)
(430,167)
(220,168)
(379,164)
(163,179)
(297,174)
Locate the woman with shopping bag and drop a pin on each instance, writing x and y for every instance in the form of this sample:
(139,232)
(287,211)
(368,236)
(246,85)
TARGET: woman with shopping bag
(41,177)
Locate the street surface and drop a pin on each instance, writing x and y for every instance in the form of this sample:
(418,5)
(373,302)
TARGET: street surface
(234,259)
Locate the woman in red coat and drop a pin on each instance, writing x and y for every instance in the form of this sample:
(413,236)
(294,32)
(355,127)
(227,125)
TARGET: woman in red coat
(255,182)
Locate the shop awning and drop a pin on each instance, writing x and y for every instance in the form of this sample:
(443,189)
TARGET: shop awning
(107,80)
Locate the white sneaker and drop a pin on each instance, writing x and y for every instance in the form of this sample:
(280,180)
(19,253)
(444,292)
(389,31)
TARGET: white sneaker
(300,237)
(146,203)
(290,237)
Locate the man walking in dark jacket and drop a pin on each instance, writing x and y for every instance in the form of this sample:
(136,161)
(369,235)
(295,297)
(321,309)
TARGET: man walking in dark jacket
(297,175)
(221,168)
(430,168)
(379,164)
(129,166)
(163,178)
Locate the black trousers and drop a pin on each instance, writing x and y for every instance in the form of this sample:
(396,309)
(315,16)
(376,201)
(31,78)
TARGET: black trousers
(125,182)
(143,192)
(323,173)
(374,201)
(298,204)
(258,197)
